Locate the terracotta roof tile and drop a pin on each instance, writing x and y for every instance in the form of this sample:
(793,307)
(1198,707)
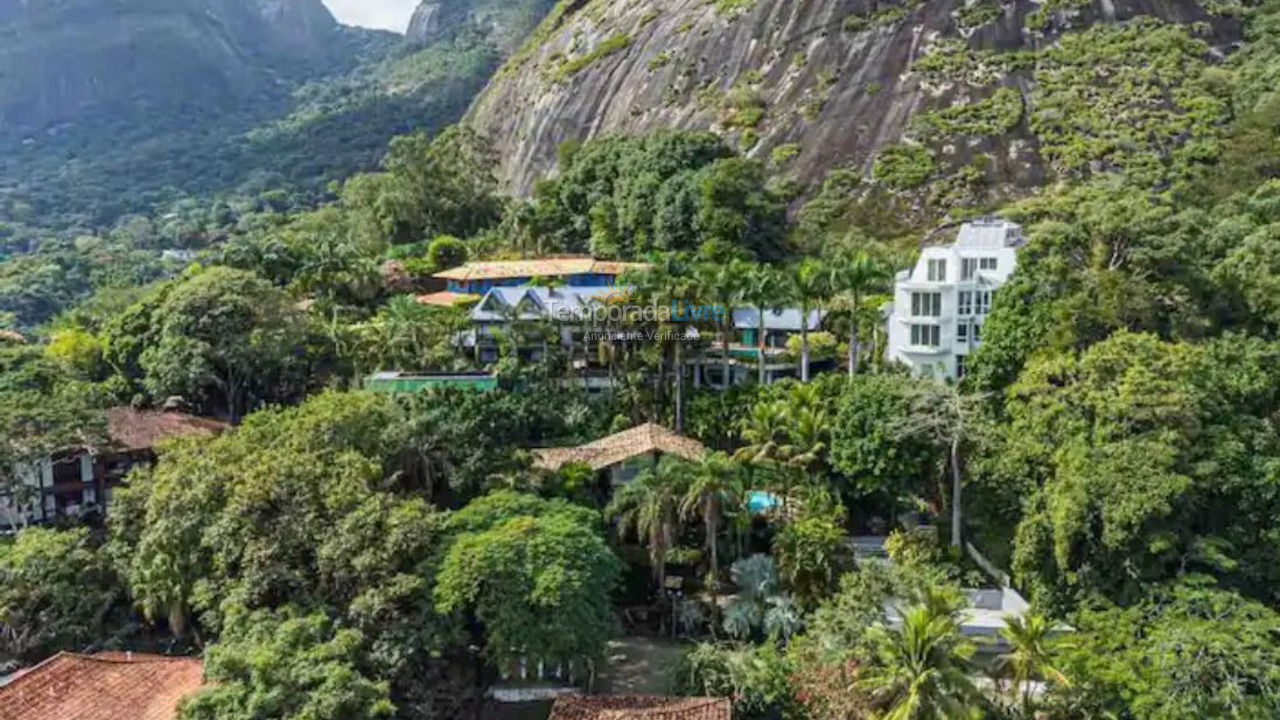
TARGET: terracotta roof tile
(446,298)
(639,707)
(132,429)
(622,446)
(106,686)
(542,267)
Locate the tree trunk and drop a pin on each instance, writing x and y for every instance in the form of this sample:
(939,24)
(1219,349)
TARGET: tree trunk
(804,344)
(853,340)
(724,358)
(760,341)
(679,389)
(956,492)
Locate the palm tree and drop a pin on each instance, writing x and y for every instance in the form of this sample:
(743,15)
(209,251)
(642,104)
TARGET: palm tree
(921,668)
(856,275)
(764,431)
(810,287)
(716,484)
(666,283)
(764,289)
(648,506)
(807,428)
(1032,647)
(724,284)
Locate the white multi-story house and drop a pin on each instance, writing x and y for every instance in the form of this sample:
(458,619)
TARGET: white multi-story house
(939,306)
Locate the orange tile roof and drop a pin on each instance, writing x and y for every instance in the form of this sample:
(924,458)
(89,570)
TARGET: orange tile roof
(639,440)
(132,429)
(640,707)
(105,686)
(447,299)
(540,267)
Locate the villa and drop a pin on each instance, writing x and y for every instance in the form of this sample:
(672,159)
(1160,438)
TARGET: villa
(936,317)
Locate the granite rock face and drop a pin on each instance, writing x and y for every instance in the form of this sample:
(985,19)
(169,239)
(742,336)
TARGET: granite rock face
(826,82)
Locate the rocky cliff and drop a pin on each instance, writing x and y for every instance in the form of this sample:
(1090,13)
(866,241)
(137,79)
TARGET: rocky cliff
(811,85)
(506,23)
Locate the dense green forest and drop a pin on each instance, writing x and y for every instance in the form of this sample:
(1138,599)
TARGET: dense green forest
(343,554)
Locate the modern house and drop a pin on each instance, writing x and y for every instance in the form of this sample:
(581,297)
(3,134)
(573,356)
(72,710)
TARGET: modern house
(79,481)
(102,686)
(940,305)
(470,282)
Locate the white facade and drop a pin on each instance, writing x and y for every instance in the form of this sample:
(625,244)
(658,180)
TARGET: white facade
(939,306)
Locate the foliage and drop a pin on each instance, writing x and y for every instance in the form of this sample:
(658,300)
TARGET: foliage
(903,167)
(754,676)
(809,548)
(867,445)
(56,591)
(625,197)
(1187,648)
(608,46)
(287,664)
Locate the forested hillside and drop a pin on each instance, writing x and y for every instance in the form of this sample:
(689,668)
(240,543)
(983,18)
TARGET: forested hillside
(131,106)
(1114,446)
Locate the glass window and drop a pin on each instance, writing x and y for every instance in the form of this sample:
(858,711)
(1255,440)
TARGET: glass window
(937,270)
(984,302)
(962,331)
(966,302)
(926,304)
(977,332)
(987,263)
(959,366)
(925,335)
(968,266)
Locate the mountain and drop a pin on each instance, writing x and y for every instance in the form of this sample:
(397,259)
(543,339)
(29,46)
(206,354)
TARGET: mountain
(68,63)
(113,107)
(947,91)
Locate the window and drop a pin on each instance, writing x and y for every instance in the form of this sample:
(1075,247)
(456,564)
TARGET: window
(984,302)
(962,332)
(966,303)
(977,333)
(937,270)
(968,266)
(925,335)
(960,366)
(926,304)
(987,263)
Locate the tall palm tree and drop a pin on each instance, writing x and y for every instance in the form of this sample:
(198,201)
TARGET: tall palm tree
(649,507)
(724,285)
(669,281)
(810,287)
(764,289)
(855,275)
(715,485)
(921,668)
(1031,656)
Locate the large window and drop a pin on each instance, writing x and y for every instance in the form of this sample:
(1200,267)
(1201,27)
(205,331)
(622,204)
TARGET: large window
(965,303)
(960,366)
(962,331)
(937,270)
(987,263)
(926,304)
(984,302)
(926,335)
(968,267)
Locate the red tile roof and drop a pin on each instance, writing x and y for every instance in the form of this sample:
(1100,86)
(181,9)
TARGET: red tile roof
(639,440)
(446,298)
(106,686)
(639,707)
(131,429)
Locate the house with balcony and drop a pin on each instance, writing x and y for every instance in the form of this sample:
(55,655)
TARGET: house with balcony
(76,482)
(940,305)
